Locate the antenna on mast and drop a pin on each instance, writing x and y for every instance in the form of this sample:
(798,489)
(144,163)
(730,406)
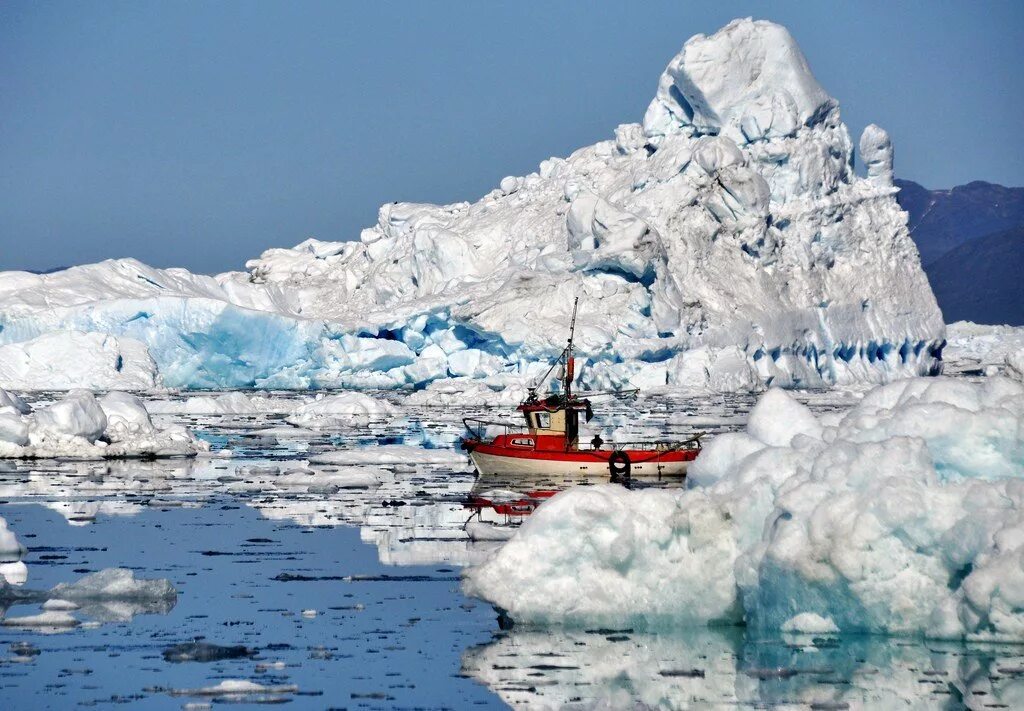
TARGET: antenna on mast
(570,363)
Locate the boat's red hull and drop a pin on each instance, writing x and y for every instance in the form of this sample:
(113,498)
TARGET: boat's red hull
(501,457)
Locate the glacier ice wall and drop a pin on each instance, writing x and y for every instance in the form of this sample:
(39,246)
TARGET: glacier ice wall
(725,242)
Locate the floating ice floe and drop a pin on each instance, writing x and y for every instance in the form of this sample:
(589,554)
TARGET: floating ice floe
(467,392)
(725,243)
(243,689)
(902,515)
(80,426)
(231,403)
(205,652)
(118,584)
(109,595)
(342,410)
(327,482)
(45,620)
(390,454)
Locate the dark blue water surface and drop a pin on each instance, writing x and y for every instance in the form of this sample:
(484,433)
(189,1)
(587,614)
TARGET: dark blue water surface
(372,642)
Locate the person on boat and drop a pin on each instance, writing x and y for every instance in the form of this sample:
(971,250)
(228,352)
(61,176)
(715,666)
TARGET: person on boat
(597,441)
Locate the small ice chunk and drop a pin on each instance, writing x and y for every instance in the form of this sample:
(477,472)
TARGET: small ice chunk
(205,652)
(509,184)
(11,549)
(236,687)
(115,584)
(389,454)
(809,623)
(483,531)
(778,418)
(78,415)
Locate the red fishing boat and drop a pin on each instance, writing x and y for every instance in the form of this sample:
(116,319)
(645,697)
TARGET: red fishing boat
(548,443)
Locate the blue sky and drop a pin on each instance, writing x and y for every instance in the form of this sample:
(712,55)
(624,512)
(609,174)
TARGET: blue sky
(199,134)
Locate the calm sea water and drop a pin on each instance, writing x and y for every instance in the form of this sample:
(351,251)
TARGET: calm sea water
(351,598)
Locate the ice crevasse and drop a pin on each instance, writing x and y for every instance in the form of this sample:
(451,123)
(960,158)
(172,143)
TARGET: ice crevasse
(902,515)
(725,242)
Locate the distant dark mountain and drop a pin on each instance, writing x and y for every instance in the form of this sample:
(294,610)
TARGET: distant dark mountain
(941,220)
(982,280)
(51,270)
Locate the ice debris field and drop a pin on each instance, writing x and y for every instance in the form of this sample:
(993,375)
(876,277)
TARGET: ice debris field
(287,552)
(82,426)
(725,242)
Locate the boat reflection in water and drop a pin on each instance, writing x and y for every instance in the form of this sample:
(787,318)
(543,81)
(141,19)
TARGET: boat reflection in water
(499,503)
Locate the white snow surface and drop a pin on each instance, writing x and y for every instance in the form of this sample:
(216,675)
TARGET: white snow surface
(80,426)
(903,516)
(729,224)
(63,360)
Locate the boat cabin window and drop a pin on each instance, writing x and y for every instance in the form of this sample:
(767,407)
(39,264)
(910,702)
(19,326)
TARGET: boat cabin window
(542,420)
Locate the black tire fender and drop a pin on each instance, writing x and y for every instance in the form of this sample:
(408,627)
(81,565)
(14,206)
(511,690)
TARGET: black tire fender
(619,465)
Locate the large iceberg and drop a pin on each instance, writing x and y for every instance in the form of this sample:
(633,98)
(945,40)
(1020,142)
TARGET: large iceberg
(725,243)
(902,515)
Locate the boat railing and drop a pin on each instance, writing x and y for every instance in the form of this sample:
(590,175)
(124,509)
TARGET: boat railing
(651,446)
(478,427)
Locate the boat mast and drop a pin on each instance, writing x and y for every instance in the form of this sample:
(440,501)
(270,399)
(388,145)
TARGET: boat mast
(569,362)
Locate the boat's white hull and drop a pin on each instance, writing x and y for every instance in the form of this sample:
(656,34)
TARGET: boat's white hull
(497,465)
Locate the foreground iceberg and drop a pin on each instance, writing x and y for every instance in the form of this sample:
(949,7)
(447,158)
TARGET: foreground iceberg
(723,243)
(80,426)
(902,515)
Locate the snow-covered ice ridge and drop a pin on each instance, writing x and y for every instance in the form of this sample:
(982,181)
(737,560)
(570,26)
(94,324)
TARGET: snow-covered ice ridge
(724,243)
(902,515)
